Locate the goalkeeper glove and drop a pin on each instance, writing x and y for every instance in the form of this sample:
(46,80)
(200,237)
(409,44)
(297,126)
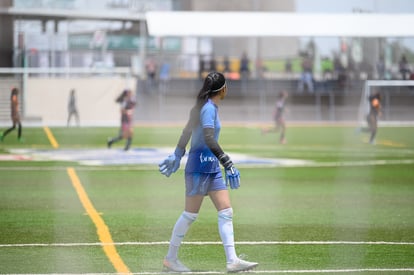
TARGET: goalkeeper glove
(171,163)
(232,177)
(232,174)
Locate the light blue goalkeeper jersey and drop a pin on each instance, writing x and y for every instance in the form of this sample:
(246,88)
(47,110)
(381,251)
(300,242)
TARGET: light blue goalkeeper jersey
(200,157)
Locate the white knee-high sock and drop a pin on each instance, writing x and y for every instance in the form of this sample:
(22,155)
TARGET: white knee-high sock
(180,229)
(225,225)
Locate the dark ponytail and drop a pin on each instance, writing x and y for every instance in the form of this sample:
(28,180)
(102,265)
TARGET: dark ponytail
(213,83)
(121,97)
(14,92)
(204,92)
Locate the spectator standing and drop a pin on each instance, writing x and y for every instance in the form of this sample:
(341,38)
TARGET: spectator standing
(306,78)
(164,77)
(288,67)
(244,71)
(404,69)
(327,67)
(244,66)
(213,64)
(151,69)
(226,65)
(381,68)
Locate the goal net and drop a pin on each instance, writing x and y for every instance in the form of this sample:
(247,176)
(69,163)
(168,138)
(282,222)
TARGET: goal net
(397,101)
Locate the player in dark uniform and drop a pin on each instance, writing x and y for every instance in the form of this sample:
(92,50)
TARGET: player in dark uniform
(203,175)
(15,116)
(72,109)
(278,116)
(127,103)
(374,113)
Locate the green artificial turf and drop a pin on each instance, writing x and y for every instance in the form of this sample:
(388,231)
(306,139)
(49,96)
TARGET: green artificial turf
(353,196)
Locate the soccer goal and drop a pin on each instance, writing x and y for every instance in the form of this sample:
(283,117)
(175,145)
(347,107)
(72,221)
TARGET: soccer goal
(397,101)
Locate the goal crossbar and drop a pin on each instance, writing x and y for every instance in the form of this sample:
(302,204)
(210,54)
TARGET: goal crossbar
(390,83)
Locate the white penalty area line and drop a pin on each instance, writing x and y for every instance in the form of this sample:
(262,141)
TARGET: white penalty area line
(148,167)
(213,243)
(332,164)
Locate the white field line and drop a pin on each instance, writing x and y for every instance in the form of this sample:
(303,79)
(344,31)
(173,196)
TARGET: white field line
(304,271)
(147,167)
(213,243)
(348,270)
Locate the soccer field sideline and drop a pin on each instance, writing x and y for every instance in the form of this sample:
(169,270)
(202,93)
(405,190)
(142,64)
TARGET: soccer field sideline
(301,271)
(212,243)
(274,271)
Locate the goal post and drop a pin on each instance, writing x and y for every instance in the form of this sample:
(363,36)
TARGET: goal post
(397,101)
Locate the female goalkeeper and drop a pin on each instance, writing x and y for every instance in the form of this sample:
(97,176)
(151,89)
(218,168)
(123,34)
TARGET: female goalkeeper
(203,174)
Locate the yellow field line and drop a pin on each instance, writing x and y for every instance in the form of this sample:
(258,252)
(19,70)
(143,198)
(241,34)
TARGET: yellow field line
(102,229)
(51,137)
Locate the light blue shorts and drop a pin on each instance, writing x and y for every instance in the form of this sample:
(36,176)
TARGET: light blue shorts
(202,183)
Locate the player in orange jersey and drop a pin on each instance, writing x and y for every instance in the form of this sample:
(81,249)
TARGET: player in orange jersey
(374,113)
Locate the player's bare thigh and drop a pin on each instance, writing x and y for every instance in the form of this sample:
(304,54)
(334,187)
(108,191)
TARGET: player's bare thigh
(220,199)
(193,203)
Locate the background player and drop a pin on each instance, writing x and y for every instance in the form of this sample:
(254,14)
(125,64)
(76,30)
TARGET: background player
(374,113)
(203,174)
(15,115)
(278,117)
(127,103)
(72,108)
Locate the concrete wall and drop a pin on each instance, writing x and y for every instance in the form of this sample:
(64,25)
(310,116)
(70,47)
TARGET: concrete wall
(48,98)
